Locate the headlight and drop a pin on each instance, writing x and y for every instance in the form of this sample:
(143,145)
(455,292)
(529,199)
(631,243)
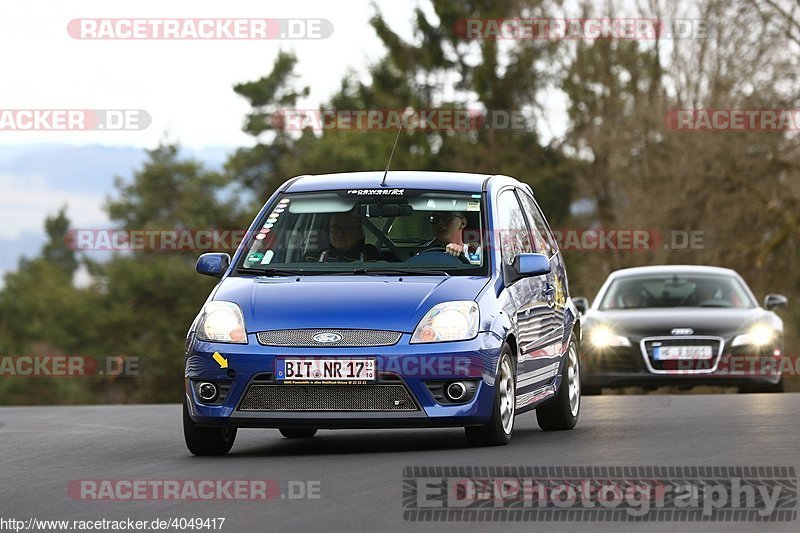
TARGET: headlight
(759,335)
(221,322)
(604,337)
(448,321)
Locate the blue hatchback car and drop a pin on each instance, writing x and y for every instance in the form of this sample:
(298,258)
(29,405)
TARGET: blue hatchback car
(373,300)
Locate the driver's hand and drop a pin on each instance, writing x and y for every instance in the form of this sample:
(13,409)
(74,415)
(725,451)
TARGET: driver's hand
(454,249)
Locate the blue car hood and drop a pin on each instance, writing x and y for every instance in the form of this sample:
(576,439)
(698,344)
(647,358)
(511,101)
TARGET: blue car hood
(347,302)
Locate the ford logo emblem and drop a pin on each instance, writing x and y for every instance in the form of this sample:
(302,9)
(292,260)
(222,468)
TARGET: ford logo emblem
(327,338)
(681,331)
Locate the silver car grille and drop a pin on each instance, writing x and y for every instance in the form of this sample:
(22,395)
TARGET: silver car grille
(347,337)
(658,367)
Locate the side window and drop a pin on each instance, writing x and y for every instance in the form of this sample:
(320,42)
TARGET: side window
(512,230)
(543,239)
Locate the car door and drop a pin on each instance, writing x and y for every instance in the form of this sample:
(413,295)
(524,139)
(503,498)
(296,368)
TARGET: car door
(532,303)
(544,242)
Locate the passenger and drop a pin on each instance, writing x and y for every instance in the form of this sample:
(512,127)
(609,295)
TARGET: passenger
(346,234)
(448,230)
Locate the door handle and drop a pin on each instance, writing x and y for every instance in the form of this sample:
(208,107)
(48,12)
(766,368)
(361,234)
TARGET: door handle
(550,293)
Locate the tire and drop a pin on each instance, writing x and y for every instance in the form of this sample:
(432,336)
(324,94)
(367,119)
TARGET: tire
(206,440)
(497,431)
(589,390)
(763,387)
(562,412)
(298,433)
(776,387)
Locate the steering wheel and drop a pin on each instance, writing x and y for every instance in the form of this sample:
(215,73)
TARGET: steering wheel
(442,249)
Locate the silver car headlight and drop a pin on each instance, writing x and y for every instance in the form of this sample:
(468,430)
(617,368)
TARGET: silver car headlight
(605,337)
(221,322)
(759,335)
(448,321)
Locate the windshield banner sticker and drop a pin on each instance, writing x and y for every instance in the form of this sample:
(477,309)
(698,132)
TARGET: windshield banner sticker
(376,192)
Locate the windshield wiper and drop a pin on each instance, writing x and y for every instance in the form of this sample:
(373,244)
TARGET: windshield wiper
(283,272)
(382,271)
(377,271)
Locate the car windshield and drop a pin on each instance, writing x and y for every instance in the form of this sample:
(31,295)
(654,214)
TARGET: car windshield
(363,231)
(690,290)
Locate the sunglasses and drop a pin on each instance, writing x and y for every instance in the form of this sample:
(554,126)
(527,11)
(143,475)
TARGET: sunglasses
(445,217)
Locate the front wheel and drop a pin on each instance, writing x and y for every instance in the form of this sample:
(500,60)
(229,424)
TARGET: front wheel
(498,430)
(763,387)
(562,412)
(590,390)
(206,440)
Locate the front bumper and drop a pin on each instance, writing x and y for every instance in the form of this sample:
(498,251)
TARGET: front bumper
(628,366)
(414,366)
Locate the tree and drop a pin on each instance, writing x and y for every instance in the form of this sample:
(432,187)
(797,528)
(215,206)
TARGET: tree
(56,251)
(150,297)
(43,314)
(419,75)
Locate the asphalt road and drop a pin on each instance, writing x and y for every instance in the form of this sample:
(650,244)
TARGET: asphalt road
(360,472)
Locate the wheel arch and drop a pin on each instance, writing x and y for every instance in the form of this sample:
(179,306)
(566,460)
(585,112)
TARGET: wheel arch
(511,340)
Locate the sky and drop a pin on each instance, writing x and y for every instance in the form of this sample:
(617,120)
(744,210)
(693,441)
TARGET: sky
(185,86)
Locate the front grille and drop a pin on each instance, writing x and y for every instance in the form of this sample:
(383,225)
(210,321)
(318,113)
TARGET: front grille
(327,398)
(686,366)
(349,337)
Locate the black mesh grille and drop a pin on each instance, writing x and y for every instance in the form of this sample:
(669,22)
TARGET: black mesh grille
(616,359)
(348,337)
(327,398)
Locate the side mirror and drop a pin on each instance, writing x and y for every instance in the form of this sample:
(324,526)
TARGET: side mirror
(213,264)
(775,301)
(524,266)
(581,304)
(527,265)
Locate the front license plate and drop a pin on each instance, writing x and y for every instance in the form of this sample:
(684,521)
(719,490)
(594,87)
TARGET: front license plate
(677,353)
(325,369)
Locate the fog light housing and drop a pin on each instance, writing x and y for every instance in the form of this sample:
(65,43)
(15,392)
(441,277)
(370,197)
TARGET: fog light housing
(455,391)
(207,391)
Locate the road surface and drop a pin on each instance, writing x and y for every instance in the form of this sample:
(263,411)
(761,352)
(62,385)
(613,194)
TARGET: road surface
(359,473)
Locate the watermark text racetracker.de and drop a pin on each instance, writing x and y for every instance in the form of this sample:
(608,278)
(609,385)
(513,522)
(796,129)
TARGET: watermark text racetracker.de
(74,119)
(211,239)
(734,120)
(557,29)
(600,493)
(193,489)
(203,29)
(436,119)
(739,365)
(68,366)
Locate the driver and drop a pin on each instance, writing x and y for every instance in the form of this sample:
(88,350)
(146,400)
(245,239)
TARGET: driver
(346,234)
(448,230)
(705,291)
(632,299)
